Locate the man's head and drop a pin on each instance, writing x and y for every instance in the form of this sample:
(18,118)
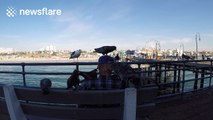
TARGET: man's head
(105,65)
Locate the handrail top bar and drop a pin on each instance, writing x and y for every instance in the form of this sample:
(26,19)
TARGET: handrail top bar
(47,63)
(95,63)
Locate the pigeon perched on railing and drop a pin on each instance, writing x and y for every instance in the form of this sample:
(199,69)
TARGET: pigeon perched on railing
(75,54)
(105,49)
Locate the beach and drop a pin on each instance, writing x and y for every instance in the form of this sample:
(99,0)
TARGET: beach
(93,59)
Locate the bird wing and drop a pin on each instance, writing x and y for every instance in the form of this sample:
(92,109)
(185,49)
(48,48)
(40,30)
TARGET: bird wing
(105,49)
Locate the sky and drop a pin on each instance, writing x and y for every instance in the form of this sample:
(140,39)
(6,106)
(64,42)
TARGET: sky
(89,24)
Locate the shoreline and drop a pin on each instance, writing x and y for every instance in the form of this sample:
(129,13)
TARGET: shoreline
(50,60)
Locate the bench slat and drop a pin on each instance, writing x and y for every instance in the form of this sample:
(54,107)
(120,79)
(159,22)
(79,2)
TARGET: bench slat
(71,97)
(71,112)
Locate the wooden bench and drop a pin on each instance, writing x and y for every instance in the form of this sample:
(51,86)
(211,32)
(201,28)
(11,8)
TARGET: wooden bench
(127,104)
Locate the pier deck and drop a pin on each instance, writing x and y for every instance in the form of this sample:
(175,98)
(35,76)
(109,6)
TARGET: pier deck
(193,106)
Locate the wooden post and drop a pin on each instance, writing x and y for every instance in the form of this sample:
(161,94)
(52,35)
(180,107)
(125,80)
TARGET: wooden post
(157,73)
(165,73)
(145,74)
(23,74)
(175,78)
(196,79)
(210,79)
(140,74)
(183,79)
(149,73)
(178,84)
(160,71)
(13,105)
(202,78)
(130,103)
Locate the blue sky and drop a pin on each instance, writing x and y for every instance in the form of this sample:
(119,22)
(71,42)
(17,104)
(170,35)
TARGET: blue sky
(127,24)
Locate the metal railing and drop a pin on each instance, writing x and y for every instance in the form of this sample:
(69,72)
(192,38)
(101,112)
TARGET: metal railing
(172,77)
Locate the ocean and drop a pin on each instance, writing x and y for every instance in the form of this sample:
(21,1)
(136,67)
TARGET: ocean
(58,81)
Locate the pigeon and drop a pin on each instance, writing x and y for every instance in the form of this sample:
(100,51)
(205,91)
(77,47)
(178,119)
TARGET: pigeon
(75,54)
(105,49)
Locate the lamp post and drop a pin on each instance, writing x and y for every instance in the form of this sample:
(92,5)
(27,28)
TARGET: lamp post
(157,44)
(197,37)
(182,46)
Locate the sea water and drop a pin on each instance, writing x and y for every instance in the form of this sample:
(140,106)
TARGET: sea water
(189,77)
(58,81)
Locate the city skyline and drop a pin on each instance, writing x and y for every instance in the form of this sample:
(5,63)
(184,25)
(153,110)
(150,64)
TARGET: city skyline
(88,24)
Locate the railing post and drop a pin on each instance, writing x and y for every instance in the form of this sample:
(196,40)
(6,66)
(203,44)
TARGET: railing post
(165,73)
(149,71)
(196,79)
(210,80)
(157,73)
(77,66)
(183,80)
(175,78)
(178,84)
(202,78)
(140,74)
(23,73)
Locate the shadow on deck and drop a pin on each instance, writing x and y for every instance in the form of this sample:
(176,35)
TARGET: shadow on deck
(197,105)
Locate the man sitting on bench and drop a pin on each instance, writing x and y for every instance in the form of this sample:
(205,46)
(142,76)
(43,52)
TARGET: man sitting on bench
(105,80)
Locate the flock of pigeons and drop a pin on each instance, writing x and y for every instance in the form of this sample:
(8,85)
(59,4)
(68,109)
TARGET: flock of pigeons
(103,50)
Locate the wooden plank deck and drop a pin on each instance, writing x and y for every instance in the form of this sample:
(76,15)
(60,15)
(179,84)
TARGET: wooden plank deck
(192,106)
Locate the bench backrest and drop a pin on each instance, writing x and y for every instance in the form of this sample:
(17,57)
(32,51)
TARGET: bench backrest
(62,104)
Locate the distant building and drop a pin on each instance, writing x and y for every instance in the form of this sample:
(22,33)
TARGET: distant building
(49,48)
(7,50)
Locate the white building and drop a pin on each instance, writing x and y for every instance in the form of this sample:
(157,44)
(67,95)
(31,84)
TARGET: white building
(49,48)
(6,50)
